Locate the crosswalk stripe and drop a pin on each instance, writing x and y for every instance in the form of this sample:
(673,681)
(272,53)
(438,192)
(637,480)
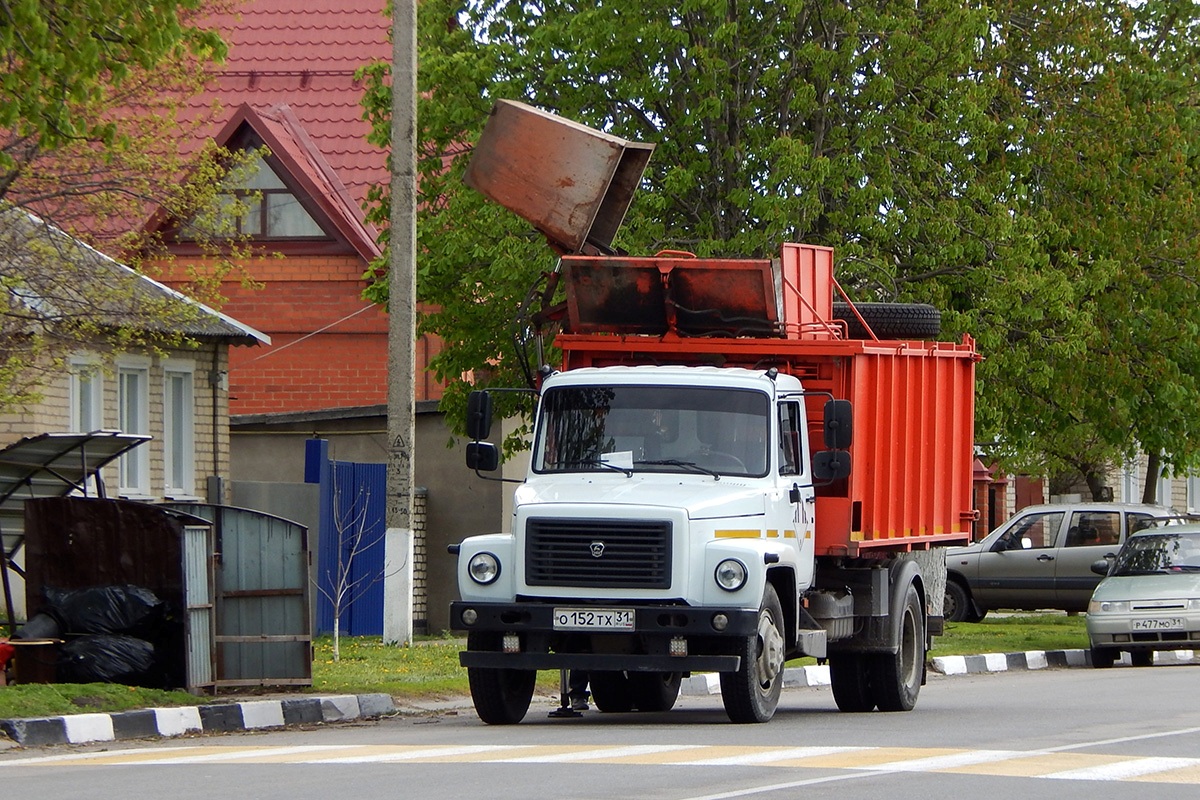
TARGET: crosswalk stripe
(1038,764)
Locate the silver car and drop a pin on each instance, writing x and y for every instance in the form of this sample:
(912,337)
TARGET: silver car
(1040,558)
(1150,599)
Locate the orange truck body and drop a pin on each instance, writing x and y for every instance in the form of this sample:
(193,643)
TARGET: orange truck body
(910,484)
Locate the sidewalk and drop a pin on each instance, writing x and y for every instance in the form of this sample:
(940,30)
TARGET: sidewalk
(262,714)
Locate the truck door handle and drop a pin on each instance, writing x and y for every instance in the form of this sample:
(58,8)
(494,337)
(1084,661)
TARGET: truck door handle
(1045,557)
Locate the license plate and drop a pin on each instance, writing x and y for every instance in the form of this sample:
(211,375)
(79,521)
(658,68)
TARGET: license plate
(1166,624)
(593,619)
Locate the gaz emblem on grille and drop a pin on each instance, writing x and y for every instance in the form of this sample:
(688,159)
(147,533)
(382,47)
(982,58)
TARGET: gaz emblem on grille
(597,549)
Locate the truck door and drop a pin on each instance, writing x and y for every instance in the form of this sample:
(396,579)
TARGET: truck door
(792,502)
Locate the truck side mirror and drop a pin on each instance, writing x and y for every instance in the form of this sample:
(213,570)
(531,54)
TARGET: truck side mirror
(482,456)
(839,424)
(479,415)
(831,465)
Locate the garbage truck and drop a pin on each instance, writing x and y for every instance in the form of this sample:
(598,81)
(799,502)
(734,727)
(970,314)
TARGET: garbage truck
(732,466)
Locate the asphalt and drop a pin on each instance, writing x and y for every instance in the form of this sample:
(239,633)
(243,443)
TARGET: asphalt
(302,710)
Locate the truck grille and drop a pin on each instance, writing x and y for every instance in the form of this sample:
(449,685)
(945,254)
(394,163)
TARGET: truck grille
(600,553)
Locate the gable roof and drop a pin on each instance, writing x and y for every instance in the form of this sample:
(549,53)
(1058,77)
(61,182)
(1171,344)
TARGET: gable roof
(292,65)
(55,276)
(288,141)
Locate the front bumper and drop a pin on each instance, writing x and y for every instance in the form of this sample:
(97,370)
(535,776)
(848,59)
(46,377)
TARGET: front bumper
(542,647)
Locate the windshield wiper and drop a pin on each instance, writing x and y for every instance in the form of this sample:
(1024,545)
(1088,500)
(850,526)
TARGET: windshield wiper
(593,462)
(675,462)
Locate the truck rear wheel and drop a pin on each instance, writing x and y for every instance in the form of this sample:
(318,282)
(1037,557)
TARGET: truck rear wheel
(850,679)
(655,691)
(896,677)
(611,691)
(752,693)
(501,696)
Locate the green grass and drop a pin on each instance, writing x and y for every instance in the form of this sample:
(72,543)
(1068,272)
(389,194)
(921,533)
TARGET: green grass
(1012,635)
(429,668)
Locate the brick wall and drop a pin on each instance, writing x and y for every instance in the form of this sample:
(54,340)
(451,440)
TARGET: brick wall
(328,345)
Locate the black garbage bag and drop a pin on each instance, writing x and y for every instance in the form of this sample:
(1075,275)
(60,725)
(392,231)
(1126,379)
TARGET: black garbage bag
(107,658)
(40,626)
(106,609)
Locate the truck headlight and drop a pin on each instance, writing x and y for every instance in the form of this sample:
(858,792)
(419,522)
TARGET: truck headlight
(730,575)
(483,568)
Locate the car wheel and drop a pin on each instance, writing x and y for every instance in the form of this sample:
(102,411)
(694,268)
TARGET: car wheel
(1141,658)
(957,605)
(1102,658)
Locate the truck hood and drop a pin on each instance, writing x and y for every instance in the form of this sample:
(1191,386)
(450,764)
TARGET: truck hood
(700,497)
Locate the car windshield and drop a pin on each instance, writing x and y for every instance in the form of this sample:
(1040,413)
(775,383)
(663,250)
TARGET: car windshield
(1159,552)
(697,430)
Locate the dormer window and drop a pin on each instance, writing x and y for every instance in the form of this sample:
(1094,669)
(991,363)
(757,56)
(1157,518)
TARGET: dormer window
(270,210)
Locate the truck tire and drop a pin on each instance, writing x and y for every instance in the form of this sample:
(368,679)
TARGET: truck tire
(891,320)
(501,696)
(611,691)
(850,680)
(752,693)
(655,691)
(896,677)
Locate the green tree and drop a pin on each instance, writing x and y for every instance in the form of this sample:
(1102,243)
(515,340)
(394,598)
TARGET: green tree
(91,128)
(974,156)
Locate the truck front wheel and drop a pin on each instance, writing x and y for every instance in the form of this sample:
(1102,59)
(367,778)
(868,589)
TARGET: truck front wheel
(501,696)
(752,693)
(896,677)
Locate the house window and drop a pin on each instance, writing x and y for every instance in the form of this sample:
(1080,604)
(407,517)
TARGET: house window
(179,430)
(133,411)
(265,207)
(87,396)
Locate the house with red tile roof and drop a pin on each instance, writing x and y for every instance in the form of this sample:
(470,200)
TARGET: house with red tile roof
(288,84)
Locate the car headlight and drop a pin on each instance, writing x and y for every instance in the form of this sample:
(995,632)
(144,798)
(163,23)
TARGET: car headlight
(1194,604)
(1108,606)
(483,568)
(731,575)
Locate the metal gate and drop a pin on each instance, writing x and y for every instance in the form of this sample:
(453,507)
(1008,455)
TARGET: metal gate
(264,602)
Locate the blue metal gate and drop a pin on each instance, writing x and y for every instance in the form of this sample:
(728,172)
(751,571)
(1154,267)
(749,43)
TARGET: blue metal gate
(350,548)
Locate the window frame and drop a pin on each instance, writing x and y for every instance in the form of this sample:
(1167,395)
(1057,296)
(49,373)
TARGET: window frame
(86,379)
(183,462)
(133,467)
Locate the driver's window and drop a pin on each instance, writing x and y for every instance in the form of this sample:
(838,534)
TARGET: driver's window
(789,438)
(1034,532)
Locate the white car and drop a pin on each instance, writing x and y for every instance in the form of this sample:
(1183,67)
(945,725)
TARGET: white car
(1150,597)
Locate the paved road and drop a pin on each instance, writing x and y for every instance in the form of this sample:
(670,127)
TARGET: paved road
(1048,734)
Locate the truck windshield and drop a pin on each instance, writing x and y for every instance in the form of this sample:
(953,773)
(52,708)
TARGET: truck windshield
(653,429)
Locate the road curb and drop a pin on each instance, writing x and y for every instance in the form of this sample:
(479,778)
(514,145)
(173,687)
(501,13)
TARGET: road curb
(1041,659)
(246,715)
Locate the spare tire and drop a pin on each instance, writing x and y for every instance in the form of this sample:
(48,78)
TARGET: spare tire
(891,320)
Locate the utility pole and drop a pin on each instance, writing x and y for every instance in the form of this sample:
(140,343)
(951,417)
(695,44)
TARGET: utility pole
(402,291)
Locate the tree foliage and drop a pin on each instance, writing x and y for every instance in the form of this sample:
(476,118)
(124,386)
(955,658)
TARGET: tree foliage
(92,141)
(1031,170)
